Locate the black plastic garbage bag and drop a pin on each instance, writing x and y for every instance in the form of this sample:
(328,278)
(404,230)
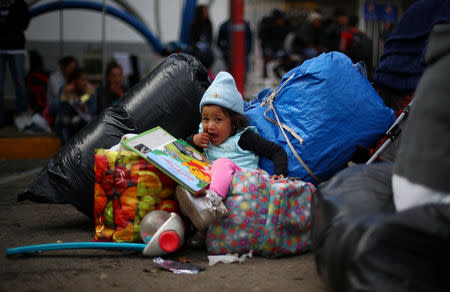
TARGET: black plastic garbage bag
(408,252)
(342,210)
(168,97)
(362,244)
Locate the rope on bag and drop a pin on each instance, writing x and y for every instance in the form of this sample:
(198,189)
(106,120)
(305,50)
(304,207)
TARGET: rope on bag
(269,103)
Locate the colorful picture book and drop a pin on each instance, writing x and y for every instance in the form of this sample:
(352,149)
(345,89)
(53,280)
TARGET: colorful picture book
(175,157)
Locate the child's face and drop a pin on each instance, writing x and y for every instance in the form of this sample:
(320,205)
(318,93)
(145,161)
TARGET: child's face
(115,77)
(216,123)
(69,69)
(81,83)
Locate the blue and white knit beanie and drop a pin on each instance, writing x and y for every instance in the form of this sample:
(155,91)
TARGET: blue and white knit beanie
(223,92)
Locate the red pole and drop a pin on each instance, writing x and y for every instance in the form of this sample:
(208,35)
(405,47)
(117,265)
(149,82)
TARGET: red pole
(238,43)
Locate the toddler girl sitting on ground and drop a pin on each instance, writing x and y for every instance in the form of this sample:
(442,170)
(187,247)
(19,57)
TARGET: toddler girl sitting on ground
(227,139)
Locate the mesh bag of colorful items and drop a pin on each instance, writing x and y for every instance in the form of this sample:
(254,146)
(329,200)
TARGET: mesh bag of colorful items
(269,217)
(127,187)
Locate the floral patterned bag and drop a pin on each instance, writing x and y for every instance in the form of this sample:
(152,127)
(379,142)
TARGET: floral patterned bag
(270,217)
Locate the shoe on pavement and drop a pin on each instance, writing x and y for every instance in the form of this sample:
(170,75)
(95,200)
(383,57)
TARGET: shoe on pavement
(202,211)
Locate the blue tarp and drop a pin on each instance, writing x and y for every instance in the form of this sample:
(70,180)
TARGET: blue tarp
(331,106)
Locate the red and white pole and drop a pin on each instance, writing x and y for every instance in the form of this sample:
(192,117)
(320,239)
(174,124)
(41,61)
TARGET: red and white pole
(237,38)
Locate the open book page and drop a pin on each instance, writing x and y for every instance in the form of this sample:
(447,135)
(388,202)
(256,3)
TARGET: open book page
(150,140)
(184,163)
(176,158)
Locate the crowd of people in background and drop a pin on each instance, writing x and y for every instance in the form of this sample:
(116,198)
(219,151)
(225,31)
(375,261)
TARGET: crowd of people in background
(67,101)
(291,43)
(62,101)
(73,101)
(283,41)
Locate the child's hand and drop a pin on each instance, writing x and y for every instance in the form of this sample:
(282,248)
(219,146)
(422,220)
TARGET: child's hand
(201,140)
(276,176)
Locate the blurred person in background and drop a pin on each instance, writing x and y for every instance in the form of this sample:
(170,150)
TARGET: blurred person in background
(14,20)
(332,32)
(200,36)
(224,42)
(56,82)
(37,83)
(307,41)
(78,105)
(58,78)
(272,32)
(357,45)
(113,89)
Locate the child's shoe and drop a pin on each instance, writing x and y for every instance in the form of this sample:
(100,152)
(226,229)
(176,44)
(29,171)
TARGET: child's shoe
(202,211)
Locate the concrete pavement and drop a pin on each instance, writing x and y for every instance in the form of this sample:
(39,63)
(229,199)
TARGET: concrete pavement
(27,223)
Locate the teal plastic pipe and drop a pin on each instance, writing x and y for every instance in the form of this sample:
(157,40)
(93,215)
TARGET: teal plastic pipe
(76,245)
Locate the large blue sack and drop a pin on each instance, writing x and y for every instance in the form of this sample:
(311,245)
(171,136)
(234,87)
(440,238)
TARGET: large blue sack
(330,106)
